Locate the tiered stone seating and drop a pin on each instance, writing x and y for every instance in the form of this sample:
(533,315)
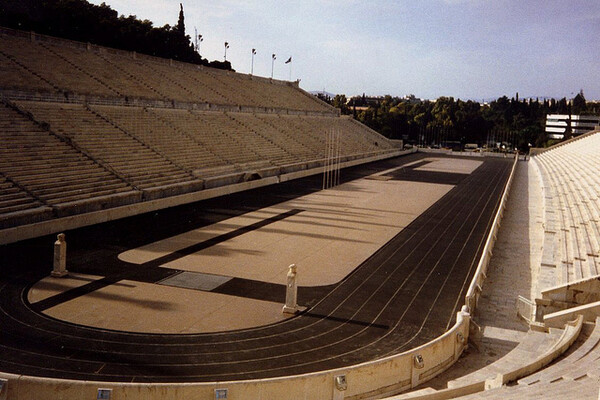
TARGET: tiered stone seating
(17,206)
(350,141)
(291,95)
(200,86)
(52,172)
(239,92)
(247,90)
(114,127)
(580,361)
(368,139)
(533,345)
(584,388)
(368,136)
(14,75)
(277,130)
(160,135)
(186,124)
(42,63)
(315,140)
(535,351)
(572,225)
(56,71)
(246,128)
(138,72)
(220,140)
(93,64)
(13,199)
(133,161)
(573,376)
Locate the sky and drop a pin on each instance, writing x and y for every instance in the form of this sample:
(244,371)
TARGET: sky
(468,49)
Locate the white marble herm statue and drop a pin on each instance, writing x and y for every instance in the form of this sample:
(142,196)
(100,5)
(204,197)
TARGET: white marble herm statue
(291,292)
(60,257)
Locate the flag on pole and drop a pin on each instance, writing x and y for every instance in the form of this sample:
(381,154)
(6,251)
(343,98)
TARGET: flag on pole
(289,60)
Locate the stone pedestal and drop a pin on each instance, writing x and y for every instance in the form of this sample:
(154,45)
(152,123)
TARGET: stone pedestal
(59,269)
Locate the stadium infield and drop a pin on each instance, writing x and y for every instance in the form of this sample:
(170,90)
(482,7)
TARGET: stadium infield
(195,293)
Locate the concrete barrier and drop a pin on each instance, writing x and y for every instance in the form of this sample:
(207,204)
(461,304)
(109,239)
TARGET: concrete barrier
(376,378)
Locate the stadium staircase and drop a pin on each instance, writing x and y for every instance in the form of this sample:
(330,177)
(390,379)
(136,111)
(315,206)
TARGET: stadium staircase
(87,128)
(575,375)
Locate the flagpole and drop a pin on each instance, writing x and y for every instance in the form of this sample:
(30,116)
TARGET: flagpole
(289,61)
(272,64)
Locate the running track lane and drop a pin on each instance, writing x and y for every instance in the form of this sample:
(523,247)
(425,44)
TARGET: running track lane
(404,295)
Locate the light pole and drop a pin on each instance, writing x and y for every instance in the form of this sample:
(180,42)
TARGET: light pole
(226,47)
(273,58)
(252,68)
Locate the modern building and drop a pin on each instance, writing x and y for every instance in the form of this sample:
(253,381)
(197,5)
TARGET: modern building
(558,124)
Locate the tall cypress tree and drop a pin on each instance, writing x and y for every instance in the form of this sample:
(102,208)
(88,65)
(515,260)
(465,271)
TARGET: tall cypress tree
(579,103)
(180,22)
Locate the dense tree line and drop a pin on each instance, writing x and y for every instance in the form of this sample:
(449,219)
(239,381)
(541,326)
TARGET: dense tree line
(82,21)
(513,122)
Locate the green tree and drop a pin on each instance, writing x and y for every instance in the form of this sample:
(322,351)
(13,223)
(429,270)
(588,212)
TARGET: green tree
(99,24)
(562,107)
(341,102)
(579,104)
(515,121)
(180,22)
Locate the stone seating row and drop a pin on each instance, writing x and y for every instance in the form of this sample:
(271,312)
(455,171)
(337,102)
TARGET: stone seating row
(562,236)
(536,351)
(581,156)
(18,206)
(313,140)
(139,165)
(575,374)
(572,222)
(196,140)
(581,360)
(54,71)
(585,388)
(578,167)
(282,135)
(66,158)
(48,64)
(533,344)
(15,75)
(245,135)
(161,135)
(579,181)
(46,170)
